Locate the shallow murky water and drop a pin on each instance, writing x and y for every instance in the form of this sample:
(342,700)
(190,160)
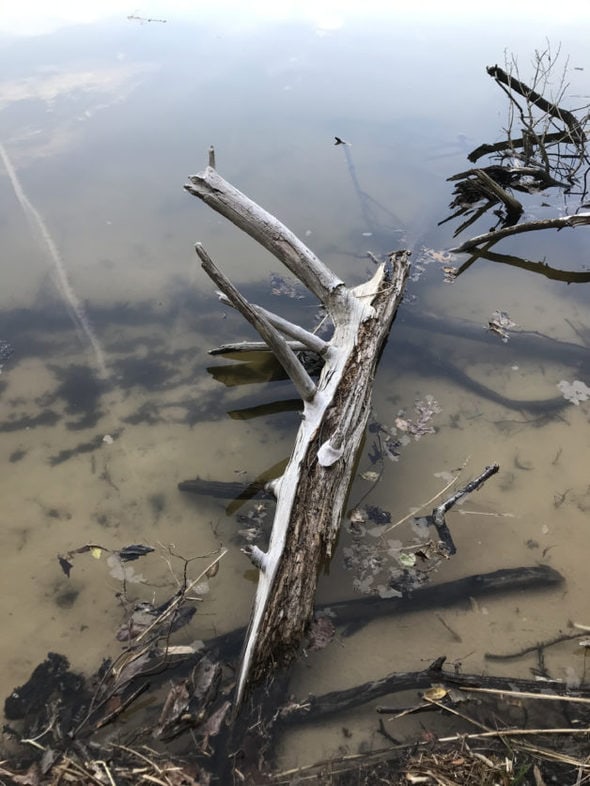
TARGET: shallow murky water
(110,399)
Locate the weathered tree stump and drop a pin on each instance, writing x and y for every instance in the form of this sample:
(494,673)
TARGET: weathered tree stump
(312,492)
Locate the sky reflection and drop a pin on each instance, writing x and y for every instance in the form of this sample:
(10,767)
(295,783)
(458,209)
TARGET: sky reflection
(36,17)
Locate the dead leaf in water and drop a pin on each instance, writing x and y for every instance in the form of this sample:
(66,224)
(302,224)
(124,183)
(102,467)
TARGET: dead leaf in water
(130,553)
(65,565)
(321,633)
(500,323)
(371,476)
(575,391)
(435,693)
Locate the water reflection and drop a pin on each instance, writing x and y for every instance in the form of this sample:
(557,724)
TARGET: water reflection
(101,127)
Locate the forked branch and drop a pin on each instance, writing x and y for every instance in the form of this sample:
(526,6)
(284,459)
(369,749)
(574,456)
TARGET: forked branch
(312,491)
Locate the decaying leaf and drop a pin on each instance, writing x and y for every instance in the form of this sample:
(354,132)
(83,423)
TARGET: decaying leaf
(358,516)
(377,515)
(280,286)
(575,391)
(65,565)
(426,409)
(206,678)
(130,553)
(407,559)
(392,439)
(436,693)
(321,633)
(450,274)
(175,706)
(213,725)
(402,424)
(371,476)
(500,323)
(428,255)
(213,570)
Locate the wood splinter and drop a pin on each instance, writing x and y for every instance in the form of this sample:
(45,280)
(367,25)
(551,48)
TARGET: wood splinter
(312,491)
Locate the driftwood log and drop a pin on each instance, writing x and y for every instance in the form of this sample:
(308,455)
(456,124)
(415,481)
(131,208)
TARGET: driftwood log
(312,491)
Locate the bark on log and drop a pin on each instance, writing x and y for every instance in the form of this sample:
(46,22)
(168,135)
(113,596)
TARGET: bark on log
(312,492)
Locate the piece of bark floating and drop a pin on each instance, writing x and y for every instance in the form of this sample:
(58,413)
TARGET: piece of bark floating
(312,492)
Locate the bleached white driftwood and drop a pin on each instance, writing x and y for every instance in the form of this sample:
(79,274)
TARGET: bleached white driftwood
(311,493)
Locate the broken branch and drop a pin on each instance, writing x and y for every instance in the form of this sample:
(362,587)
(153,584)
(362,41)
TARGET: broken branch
(220,195)
(284,354)
(576,131)
(579,219)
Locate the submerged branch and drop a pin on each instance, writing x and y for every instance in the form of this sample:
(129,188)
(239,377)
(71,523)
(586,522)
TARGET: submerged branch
(284,354)
(438,514)
(252,346)
(309,340)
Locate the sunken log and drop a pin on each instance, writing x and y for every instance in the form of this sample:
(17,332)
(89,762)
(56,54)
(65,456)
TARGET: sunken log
(312,491)
(354,614)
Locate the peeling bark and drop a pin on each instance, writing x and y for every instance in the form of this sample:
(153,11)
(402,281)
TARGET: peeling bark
(312,492)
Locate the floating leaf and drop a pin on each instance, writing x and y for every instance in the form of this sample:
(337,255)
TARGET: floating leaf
(280,286)
(435,693)
(321,633)
(450,274)
(500,323)
(213,570)
(575,391)
(371,476)
(377,515)
(364,586)
(358,516)
(96,552)
(407,559)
